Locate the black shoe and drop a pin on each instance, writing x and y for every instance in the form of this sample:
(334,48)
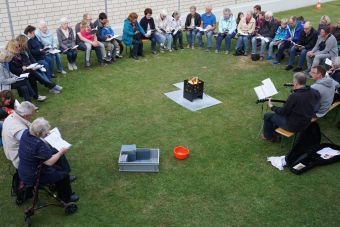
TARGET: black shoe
(181,47)
(74,198)
(154,52)
(289,67)
(297,69)
(72,178)
(134,57)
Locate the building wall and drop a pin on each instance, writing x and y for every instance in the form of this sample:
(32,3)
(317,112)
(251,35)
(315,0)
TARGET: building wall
(25,12)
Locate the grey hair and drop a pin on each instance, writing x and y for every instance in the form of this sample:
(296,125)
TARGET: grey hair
(268,14)
(308,24)
(336,63)
(25,108)
(176,13)
(193,7)
(164,13)
(250,13)
(64,20)
(300,78)
(5,55)
(227,10)
(39,127)
(42,22)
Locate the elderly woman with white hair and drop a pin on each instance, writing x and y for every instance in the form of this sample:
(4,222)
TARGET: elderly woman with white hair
(47,38)
(10,81)
(226,29)
(33,152)
(265,34)
(245,29)
(164,26)
(67,43)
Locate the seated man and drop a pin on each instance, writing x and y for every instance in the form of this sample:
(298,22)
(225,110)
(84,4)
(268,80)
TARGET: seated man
(294,29)
(82,46)
(192,21)
(305,43)
(209,25)
(326,87)
(226,29)
(32,151)
(148,25)
(325,47)
(13,128)
(296,114)
(267,30)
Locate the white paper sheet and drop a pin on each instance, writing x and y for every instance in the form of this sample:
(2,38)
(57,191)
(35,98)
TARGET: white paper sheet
(55,140)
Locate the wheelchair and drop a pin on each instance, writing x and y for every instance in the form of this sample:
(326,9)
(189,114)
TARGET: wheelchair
(24,192)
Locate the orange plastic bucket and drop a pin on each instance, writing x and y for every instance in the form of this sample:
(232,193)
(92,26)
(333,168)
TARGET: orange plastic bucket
(181,152)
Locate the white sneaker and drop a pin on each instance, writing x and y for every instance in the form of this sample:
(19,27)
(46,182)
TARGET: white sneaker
(41,98)
(57,87)
(74,66)
(226,52)
(216,51)
(63,72)
(70,66)
(54,91)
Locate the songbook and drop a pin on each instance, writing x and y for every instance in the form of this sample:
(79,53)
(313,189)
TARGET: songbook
(328,62)
(112,37)
(32,66)
(162,30)
(54,51)
(24,75)
(72,48)
(201,29)
(263,38)
(56,141)
(16,104)
(243,33)
(266,90)
(47,48)
(94,31)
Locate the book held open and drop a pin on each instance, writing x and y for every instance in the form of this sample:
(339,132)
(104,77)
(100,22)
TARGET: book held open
(56,141)
(266,90)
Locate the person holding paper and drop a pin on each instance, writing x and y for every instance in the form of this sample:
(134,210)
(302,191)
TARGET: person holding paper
(208,24)
(265,33)
(7,102)
(305,43)
(334,72)
(148,25)
(325,21)
(226,30)
(192,21)
(245,29)
(107,35)
(326,87)
(47,38)
(33,151)
(296,114)
(132,35)
(81,42)
(177,26)
(164,27)
(37,50)
(294,29)
(10,81)
(325,47)
(67,43)
(279,38)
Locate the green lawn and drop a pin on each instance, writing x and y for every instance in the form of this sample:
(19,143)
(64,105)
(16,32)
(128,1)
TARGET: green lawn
(225,182)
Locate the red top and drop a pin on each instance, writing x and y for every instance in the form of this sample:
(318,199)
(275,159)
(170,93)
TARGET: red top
(87,34)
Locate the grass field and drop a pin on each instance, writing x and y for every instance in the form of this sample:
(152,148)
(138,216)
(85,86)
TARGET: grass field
(225,182)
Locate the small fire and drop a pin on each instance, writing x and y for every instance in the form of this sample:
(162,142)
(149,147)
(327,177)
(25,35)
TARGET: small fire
(194,80)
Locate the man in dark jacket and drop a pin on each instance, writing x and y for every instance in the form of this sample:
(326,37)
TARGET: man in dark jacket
(148,25)
(192,21)
(296,114)
(305,43)
(265,34)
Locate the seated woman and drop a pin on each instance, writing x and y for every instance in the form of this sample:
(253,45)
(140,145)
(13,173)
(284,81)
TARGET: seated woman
(245,29)
(46,37)
(164,26)
(10,81)
(132,35)
(67,42)
(177,26)
(325,47)
(279,37)
(325,21)
(21,61)
(7,103)
(90,40)
(33,150)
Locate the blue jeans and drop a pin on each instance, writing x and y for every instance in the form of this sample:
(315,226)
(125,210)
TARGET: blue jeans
(48,64)
(191,35)
(58,61)
(97,49)
(263,46)
(168,38)
(43,79)
(227,39)
(209,38)
(71,56)
(157,38)
(272,121)
(284,45)
(242,40)
(292,53)
(178,37)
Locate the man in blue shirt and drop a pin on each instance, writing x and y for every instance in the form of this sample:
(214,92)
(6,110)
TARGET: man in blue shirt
(208,25)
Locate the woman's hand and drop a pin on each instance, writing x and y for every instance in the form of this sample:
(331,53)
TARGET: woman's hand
(24,68)
(95,43)
(64,150)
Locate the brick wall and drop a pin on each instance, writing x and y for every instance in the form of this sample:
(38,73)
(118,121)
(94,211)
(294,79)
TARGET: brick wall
(26,12)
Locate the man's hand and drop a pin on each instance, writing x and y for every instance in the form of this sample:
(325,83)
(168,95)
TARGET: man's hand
(270,104)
